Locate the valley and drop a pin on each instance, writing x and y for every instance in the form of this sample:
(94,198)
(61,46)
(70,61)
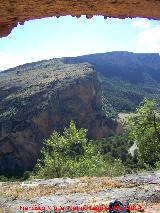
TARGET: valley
(97,93)
(40,97)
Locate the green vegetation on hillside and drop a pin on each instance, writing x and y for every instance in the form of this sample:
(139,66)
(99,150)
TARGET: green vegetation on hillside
(117,147)
(24,86)
(73,155)
(124,96)
(126,77)
(144,130)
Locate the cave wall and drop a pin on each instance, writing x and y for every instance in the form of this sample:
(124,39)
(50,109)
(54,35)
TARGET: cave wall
(14,12)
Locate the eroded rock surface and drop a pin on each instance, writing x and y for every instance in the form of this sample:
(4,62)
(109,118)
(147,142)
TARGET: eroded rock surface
(40,97)
(143,189)
(15,11)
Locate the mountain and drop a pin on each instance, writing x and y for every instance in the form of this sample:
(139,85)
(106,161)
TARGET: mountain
(126,77)
(40,97)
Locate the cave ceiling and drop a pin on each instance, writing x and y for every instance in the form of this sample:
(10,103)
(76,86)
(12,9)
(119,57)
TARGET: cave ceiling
(14,12)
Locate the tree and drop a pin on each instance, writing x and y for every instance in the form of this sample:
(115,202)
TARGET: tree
(144,130)
(70,154)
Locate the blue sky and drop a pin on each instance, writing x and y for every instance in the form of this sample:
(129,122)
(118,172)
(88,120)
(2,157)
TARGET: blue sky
(68,36)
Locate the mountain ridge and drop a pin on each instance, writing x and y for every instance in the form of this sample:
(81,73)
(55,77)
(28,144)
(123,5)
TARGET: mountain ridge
(126,77)
(79,56)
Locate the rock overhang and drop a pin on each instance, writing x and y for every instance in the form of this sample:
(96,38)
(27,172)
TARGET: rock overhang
(14,12)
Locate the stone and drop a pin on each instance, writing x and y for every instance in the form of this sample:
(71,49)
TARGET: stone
(14,12)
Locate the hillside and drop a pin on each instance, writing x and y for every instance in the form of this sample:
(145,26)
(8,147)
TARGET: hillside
(126,77)
(40,97)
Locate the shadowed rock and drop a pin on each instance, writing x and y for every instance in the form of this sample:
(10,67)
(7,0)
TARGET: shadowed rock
(40,97)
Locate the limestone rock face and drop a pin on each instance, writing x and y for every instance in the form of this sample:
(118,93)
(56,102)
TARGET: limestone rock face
(41,97)
(15,11)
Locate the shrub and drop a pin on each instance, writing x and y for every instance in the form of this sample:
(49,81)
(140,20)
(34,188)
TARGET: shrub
(144,130)
(73,155)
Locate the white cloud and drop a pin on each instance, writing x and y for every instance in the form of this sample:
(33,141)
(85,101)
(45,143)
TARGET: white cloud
(149,39)
(142,23)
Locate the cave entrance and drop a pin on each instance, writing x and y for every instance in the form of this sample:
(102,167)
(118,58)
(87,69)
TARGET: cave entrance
(127,65)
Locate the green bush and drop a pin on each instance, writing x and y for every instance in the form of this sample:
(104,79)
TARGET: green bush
(3,178)
(73,155)
(144,130)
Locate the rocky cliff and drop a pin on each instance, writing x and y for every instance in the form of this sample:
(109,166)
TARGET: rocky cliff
(36,99)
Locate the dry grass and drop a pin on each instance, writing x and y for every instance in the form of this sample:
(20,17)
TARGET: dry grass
(5,210)
(150,207)
(92,185)
(86,185)
(15,191)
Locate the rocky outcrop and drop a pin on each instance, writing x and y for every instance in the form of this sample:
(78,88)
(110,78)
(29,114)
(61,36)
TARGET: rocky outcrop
(17,12)
(138,189)
(41,97)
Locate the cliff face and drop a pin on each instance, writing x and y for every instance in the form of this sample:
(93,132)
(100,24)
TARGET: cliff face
(41,97)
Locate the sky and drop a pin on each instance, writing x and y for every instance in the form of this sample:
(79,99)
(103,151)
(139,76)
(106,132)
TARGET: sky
(68,36)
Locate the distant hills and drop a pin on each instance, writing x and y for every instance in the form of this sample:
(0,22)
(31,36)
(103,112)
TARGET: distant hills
(126,77)
(40,97)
